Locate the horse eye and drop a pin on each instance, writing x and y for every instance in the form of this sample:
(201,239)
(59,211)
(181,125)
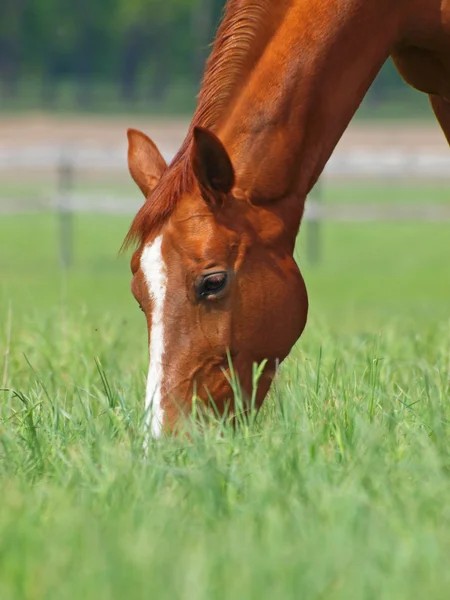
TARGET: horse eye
(211,285)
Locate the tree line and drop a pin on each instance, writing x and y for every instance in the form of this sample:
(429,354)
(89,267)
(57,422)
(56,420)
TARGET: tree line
(132,49)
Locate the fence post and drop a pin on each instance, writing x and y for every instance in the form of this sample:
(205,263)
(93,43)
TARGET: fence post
(313,237)
(65,216)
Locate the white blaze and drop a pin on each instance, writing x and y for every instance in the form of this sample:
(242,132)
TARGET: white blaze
(153,267)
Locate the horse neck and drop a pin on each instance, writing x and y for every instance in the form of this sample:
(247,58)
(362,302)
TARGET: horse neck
(300,96)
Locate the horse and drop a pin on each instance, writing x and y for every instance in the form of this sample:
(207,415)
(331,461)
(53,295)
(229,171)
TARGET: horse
(213,267)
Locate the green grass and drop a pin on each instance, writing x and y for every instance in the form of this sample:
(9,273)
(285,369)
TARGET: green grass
(339,489)
(180,98)
(395,192)
(103,99)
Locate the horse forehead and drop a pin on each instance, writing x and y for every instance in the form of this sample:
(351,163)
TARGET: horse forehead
(199,235)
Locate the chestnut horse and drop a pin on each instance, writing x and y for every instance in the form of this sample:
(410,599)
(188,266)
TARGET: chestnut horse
(214,270)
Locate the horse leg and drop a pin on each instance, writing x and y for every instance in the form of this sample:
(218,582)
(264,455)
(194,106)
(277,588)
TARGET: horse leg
(441,108)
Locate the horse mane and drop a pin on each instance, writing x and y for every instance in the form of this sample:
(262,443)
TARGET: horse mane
(240,41)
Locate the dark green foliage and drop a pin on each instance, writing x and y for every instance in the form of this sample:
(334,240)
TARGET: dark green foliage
(112,55)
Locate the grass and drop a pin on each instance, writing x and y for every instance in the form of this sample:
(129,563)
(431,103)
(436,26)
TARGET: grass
(103,99)
(180,98)
(394,192)
(338,490)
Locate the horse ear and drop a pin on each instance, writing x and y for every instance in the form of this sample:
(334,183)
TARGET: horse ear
(211,164)
(145,162)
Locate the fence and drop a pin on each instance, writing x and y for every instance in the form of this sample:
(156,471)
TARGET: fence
(68,162)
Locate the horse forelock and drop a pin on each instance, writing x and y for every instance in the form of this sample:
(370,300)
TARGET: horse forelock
(175,182)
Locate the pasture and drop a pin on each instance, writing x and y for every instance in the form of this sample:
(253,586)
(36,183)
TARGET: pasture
(339,489)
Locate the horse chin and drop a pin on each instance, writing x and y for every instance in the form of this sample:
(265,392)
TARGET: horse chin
(253,376)
(217,387)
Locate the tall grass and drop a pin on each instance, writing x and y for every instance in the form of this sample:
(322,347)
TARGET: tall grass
(339,489)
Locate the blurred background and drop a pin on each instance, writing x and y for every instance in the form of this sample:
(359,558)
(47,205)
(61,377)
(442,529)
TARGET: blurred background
(75,75)
(122,56)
